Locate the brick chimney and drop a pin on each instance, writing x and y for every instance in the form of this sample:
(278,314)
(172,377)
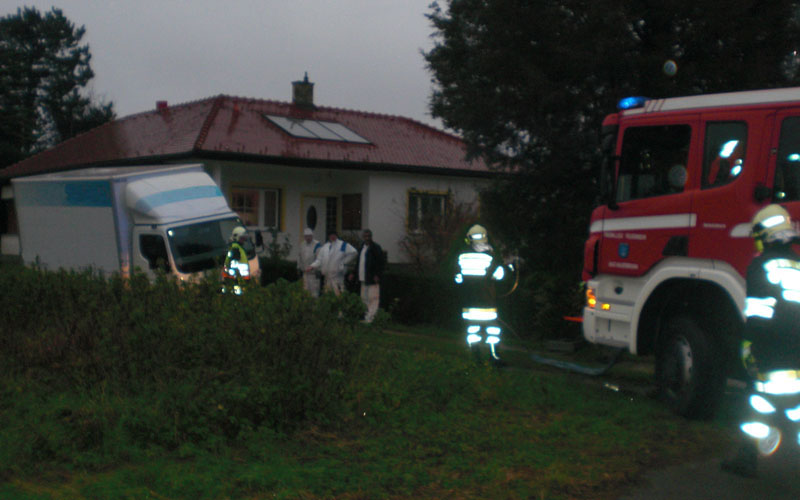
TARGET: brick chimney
(303,93)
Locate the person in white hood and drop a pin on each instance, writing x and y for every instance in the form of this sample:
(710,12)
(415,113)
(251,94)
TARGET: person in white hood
(308,253)
(332,261)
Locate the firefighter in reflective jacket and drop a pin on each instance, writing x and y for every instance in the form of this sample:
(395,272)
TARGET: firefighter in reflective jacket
(236,271)
(770,348)
(478,272)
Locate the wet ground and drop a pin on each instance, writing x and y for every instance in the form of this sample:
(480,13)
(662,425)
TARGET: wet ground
(778,477)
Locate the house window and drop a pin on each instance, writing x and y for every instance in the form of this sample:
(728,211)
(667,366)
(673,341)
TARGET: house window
(424,206)
(257,207)
(245,203)
(351,212)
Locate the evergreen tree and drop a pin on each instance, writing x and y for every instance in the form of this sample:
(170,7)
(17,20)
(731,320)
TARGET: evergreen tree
(44,71)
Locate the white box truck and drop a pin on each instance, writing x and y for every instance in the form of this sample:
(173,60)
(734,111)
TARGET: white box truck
(119,219)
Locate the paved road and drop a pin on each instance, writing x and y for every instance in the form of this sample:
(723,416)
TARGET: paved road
(777,480)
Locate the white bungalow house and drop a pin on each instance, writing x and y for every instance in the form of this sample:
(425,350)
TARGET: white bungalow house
(285,165)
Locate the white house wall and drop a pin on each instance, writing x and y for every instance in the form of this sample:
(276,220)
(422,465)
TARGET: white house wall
(384,195)
(387,206)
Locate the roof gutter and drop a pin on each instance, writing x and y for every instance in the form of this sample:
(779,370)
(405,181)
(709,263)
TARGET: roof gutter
(272,160)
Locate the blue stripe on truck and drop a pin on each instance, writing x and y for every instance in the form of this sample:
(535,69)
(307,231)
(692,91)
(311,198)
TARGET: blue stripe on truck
(65,194)
(176,195)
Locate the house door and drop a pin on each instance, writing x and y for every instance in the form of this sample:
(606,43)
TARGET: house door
(315,216)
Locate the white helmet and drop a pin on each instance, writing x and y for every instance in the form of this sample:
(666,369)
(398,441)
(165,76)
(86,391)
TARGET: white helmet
(477,233)
(772,224)
(237,233)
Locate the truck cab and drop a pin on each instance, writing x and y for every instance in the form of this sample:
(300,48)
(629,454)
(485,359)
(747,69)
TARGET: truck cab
(188,250)
(667,251)
(119,219)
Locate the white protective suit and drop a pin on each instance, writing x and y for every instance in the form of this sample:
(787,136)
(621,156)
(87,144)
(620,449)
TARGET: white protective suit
(306,257)
(332,260)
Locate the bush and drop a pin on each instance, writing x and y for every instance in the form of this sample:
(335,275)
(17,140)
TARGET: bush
(183,363)
(273,270)
(535,309)
(414,299)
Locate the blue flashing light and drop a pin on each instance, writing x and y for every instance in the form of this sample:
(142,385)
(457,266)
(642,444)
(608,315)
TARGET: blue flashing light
(631,102)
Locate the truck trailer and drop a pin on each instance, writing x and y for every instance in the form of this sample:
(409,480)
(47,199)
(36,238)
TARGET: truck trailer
(120,219)
(668,248)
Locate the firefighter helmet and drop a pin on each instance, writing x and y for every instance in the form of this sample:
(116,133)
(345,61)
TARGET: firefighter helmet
(477,234)
(237,233)
(772,224)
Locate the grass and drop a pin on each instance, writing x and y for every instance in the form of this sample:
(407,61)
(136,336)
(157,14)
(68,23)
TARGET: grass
(424,421)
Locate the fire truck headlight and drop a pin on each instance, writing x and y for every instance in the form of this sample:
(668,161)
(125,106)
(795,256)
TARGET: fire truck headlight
(493,330)
(473,329)
(493,340)
(472,338)
(761,405)
(591,298)
(459,278)
(755,429)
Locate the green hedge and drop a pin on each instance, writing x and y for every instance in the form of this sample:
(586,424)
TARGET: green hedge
(165,364)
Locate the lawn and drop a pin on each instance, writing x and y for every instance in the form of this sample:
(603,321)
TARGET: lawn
(422,420)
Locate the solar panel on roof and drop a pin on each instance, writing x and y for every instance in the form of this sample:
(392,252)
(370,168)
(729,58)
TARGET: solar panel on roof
(316,129)
(346,134)
(291,127)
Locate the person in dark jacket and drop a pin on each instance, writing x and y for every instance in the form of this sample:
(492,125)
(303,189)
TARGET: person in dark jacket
(371,263)
(770,348)
(479,272)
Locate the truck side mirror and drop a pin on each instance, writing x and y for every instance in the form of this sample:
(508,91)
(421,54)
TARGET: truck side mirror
(762,193)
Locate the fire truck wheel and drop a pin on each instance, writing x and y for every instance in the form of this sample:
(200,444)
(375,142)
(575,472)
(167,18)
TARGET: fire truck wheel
(687,369)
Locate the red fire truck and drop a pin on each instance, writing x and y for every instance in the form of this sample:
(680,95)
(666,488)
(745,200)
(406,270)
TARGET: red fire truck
(666,256)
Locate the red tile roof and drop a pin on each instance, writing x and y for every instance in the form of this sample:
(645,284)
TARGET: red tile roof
(236,128)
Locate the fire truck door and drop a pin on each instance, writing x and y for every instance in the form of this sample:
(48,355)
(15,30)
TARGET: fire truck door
(724,203)
(652,217)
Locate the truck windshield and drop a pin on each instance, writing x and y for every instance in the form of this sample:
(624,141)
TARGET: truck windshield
(201,246)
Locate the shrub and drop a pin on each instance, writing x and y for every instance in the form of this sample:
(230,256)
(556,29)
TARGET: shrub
(273,270)
(183,363)
(535,309)
(414,298)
